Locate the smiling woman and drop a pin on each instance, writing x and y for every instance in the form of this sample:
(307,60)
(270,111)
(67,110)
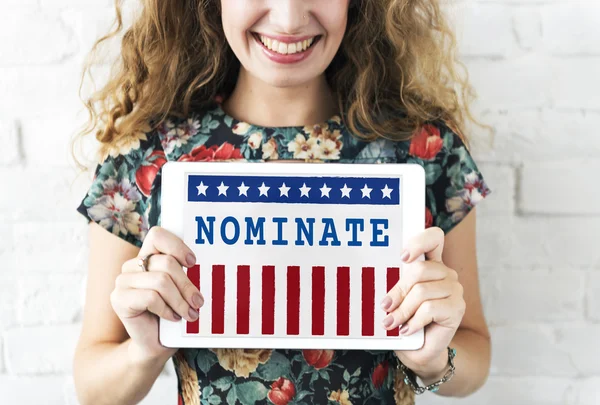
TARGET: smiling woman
(339,81)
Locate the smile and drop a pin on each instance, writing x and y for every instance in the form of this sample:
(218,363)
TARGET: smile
(286,48)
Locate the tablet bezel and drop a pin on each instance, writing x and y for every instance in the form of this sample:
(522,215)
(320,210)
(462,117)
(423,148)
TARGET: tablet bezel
(413,219)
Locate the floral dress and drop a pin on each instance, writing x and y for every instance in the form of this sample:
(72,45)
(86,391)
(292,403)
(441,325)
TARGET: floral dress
(124,198)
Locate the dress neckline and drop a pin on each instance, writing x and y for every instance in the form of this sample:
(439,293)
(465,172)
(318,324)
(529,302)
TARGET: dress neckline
(333,121)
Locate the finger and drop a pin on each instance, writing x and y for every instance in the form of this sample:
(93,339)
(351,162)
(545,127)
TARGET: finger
(163,284)
(129,303)
(430,242)
(170,265)
(420,293)
(413,273)
(441,311)
(159,240)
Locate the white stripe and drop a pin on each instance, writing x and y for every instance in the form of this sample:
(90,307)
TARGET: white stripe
(255,300)
(380,291)
(330,301)
(230,299)
(355,300)
(206,290)
(305,301)
(280,300)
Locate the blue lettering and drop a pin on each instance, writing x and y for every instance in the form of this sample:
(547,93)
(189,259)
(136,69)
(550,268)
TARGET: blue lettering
(329,232)
(253,230)
(376,232)
(280,221)
(308,233)
(209,230)
(236,230)
(355,223)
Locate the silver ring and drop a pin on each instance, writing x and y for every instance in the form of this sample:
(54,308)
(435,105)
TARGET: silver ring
(143,262)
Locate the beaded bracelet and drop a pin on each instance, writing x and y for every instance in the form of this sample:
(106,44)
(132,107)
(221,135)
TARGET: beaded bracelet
(410,378)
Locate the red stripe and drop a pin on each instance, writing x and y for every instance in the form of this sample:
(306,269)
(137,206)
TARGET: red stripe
(193,274)
(293,300)
(243,299)
(318,300)
(268,300)
(343,301)
(393,275)
(368,301)
(218,299)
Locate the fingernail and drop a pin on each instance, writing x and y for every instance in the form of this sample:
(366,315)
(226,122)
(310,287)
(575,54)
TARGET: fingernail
(405,255)
(385,304)
(388,320)
(176,316)
(193,314)
(404,329)
(197,300)
(191,260)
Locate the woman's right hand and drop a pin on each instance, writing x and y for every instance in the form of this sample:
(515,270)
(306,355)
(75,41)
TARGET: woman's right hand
(140,297)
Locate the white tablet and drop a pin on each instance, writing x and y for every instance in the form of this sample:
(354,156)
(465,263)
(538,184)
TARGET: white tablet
(292,255)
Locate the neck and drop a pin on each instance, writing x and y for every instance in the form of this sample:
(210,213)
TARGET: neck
(256,102)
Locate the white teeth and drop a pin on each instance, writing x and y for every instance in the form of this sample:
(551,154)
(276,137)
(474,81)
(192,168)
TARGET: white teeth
(284,48)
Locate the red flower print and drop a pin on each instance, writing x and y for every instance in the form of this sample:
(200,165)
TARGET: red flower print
(379,374)
(428,218)
(145,175)
(203,154)
(282,391)
(427,143)
(318,358)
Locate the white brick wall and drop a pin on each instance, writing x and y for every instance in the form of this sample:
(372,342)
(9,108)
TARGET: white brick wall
(535,65)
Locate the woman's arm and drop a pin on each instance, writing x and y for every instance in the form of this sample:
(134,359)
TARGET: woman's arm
(105,367)
(472,339)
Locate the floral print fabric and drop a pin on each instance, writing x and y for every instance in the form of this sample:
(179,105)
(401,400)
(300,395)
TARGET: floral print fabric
(124,198)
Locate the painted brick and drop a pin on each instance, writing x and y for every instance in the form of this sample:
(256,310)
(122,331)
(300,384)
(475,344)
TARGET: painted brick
(58,246)
(559,187)
(575,89)
(9,138)
(531,242)
(45,390)
(42,39)
(40,350)
(593,297)
(512,296)
(529,350)
(44,198)
(49,299)
(512,390)
(582,37)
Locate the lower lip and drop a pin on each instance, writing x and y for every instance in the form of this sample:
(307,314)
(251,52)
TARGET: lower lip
(285,59)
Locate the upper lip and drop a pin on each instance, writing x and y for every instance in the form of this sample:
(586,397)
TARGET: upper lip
(287,39)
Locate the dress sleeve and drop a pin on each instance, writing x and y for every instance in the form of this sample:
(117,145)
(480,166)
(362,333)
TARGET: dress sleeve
(454,184)
(124,197)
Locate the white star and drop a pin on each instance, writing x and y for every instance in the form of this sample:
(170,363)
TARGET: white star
(243,189)
(345,191)
(325,190)
(387,192)
(366,191)
(202,189)
(284,190)
(223,189)
(264,190)
(304,190)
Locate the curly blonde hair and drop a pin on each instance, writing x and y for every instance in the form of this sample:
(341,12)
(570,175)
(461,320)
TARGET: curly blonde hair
(396,69)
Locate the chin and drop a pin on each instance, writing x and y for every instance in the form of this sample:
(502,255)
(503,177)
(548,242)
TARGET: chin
(285,79)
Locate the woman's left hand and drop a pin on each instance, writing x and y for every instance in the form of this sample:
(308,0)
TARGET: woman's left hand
(428,295)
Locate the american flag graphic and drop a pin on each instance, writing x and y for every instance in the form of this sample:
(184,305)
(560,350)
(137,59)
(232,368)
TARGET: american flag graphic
(292,256)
